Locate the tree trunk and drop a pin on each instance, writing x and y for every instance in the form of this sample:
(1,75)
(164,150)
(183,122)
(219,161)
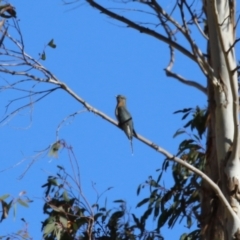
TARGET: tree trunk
(222,160)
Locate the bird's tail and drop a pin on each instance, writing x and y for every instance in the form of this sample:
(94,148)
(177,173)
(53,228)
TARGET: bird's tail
(131,145)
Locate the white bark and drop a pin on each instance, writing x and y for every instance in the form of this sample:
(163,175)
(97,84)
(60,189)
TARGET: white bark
(223,62)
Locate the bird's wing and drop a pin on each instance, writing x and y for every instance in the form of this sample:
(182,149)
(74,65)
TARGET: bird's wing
(123,115)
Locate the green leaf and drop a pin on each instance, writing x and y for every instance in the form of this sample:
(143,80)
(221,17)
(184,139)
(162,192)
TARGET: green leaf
(183,237)
(174,215)
(116,215)
(178,132)
(49,229)
(104,218)
(163,218)
(96,216)
(119,201)
(103,209)
(189,221)
(185,115)
(65,196)
(183,110)
(57,209)
(165,164)
(3,197)
(58,234)
(52,44)
(154,193)
(188,124)
(53,181)
(115,218)
(156,211)
(136,220)
(63,221)
(60,167)
(95,206)
(166,197)
(193,235)
(196,137)
(146,214)
(145,200)
(43,56)
(139,189)
(23,203)
(153,183)
(159,176)
(81,221)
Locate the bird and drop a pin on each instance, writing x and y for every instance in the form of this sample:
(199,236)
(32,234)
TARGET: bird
(124,118)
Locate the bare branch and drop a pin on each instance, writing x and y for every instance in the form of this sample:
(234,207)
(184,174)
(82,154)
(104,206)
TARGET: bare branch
(197,56)
(204,66)
(142,29)
(159,10)
(186,82)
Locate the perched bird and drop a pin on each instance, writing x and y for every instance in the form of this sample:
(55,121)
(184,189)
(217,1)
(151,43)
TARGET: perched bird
(124,118)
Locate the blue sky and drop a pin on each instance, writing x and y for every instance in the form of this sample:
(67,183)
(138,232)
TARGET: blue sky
(98,58)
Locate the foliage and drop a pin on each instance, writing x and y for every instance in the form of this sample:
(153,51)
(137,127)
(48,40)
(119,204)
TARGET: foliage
(13,203)
(71,217)
(182,200)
